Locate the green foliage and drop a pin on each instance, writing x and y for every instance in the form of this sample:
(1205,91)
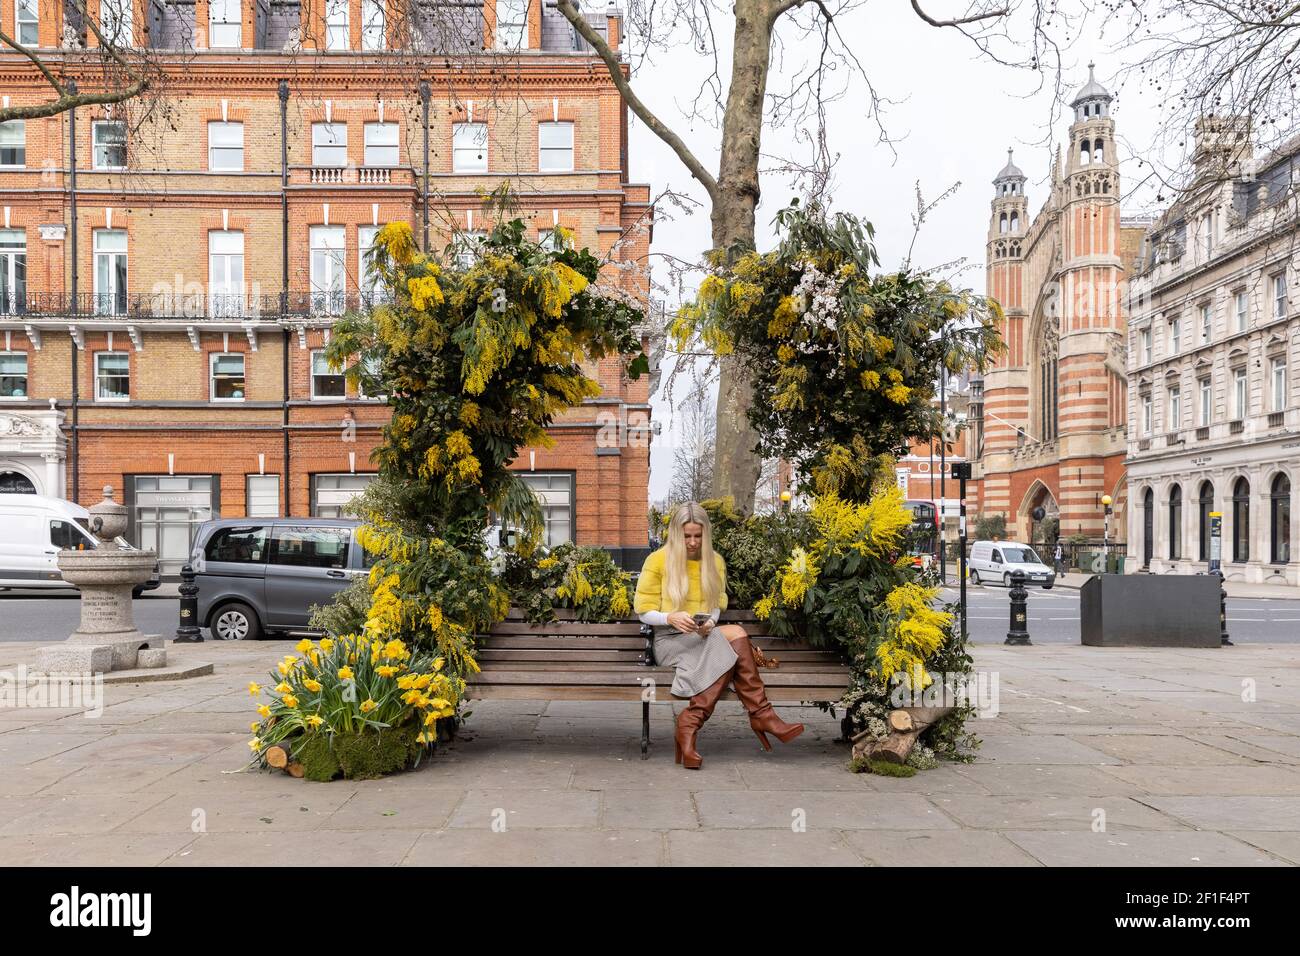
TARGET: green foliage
(990,527)
(360,756)
(584,579)
(882,767)
(347,614)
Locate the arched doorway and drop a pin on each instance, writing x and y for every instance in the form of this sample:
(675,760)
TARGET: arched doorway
(13,483)
(1044,530)
(1241,521)
(1205,504)
(1148,526)
(1175,522)
(1280,519)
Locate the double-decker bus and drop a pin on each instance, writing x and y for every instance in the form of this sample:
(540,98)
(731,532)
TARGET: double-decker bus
(925,532)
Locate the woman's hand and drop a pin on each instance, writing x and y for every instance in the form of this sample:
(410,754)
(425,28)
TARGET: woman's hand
(683,622)
(706,627)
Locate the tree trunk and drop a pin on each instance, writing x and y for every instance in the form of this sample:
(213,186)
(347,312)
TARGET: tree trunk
(736,464)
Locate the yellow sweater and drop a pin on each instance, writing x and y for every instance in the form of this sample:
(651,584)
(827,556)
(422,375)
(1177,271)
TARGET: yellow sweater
(649,586)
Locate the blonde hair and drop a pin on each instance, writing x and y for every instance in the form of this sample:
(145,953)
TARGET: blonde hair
(676,584)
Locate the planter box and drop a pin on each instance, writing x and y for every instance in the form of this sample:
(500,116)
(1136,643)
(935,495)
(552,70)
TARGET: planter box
(1150,610)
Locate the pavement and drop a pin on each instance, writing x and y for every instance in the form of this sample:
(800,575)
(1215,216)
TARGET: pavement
(1097,757)
(1239,589)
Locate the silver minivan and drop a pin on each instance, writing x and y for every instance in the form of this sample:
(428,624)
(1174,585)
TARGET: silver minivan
(995,561)
(257,576)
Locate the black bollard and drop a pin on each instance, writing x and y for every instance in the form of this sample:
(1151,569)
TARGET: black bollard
(1019,633)
(187,632)
(1223,613)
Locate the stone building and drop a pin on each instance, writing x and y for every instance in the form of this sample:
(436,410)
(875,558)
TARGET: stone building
(162,322)
(1214,339)
(1049,427)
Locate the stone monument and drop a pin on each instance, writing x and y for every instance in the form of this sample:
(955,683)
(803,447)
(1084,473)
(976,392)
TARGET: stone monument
(107,638)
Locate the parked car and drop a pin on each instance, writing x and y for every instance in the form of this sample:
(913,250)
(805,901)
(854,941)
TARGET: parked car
(262,576)
(33,529)
(995,560)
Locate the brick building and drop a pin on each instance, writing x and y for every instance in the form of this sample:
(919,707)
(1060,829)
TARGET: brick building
(161,321)
(1049,426)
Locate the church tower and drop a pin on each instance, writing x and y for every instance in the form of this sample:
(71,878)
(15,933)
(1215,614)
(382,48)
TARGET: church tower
(1005,384)
(1077,378)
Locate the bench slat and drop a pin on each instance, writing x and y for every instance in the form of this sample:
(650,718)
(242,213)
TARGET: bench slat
(778,645)
(563,656)
(785,695)
(775,678)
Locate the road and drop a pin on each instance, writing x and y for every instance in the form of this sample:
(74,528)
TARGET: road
(1053,616)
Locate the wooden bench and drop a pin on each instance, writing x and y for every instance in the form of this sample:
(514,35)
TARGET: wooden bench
(570,660)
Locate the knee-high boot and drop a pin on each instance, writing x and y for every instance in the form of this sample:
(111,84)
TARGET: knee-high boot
(763,718)
(690,720)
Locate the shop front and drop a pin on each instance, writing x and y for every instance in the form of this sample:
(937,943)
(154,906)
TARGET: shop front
(166,510)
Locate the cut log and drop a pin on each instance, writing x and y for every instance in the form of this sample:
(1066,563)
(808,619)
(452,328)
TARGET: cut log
(897,747)
(295,769)
(277,755)
(900,720)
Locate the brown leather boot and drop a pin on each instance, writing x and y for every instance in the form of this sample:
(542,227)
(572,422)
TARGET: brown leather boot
(690,720)
(749,688)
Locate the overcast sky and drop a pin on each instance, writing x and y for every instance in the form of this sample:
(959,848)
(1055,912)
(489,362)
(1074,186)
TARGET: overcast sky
(954,117)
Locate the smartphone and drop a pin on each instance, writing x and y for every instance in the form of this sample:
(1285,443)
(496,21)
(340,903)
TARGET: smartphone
(702,619)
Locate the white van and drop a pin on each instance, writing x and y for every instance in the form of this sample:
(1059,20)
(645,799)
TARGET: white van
(33,529)
(993,561)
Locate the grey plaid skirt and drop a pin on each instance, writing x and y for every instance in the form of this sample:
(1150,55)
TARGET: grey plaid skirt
(699,661)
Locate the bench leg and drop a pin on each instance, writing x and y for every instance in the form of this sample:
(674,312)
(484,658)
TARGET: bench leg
(645,729)
(846,729)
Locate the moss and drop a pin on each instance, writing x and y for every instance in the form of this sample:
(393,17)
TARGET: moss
(360,756)
(884,768)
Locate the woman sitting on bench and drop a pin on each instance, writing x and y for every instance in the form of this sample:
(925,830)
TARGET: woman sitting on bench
(681,593)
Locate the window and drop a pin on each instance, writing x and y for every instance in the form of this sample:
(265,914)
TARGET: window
(226,273)
(262,496)
(555,494)
(1146,414)
(512,24)
(1241,521)
(371,284)
(1205,506)
(555,147)
(381,144)
(370,366)
(467,246)
(308,547)
(326,382)
(112,376)
(1207,324)
(13,375)
(110,271)
(330,493)
(223,24)
(13,271)
(1279,384)
(469,152)
(336,24)
(227,376)
(1242,301)
(1175,410)
(1240,396)
(1279,296)
(13,143)
(66,536)
(1175,336)
(109,141)
(1175,522)
(372,24)
(551,238)
(327,269)
(329,144)
(1207,233)
(1207,401)
(226,146)
(115,21)
(1146,345)
(1279,519)
(245,544)
(29,22)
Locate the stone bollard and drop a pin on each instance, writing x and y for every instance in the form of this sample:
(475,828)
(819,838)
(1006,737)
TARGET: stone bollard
(1019,633)
(1223,613)
(187,632)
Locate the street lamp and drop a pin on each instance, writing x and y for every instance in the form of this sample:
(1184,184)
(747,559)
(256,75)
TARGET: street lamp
(785,500)
(1105,534)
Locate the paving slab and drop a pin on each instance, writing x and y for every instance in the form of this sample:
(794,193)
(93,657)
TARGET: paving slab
(74,813)
(1280,843)
(378,807)
(661,810)
(930,848)
(271,848)
(1232,812)
(1138,848)
(819,810)
(94,849)
(746,848)
(528,847)
(1054,813)
(527,809)
(1044,780)
(1253,780)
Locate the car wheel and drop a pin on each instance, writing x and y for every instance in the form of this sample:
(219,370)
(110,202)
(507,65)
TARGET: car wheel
(1047,587)
(974,576)
(235,622)
(136,592)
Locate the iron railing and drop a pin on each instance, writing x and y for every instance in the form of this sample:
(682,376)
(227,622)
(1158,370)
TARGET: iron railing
(188,306)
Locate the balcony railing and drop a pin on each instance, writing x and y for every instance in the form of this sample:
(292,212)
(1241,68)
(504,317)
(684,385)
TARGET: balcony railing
(1276,419)
(190,306)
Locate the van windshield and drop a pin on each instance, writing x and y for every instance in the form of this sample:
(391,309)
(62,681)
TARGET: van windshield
(1021,556)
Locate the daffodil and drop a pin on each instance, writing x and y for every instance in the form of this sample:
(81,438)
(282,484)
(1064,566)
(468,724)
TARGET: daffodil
(314,721)
(368,705)
(282,688)
(312,685)
(289,700)
(255,726)
(303,646)
(254,688)
(255,745)
(264,711)
(345,673)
